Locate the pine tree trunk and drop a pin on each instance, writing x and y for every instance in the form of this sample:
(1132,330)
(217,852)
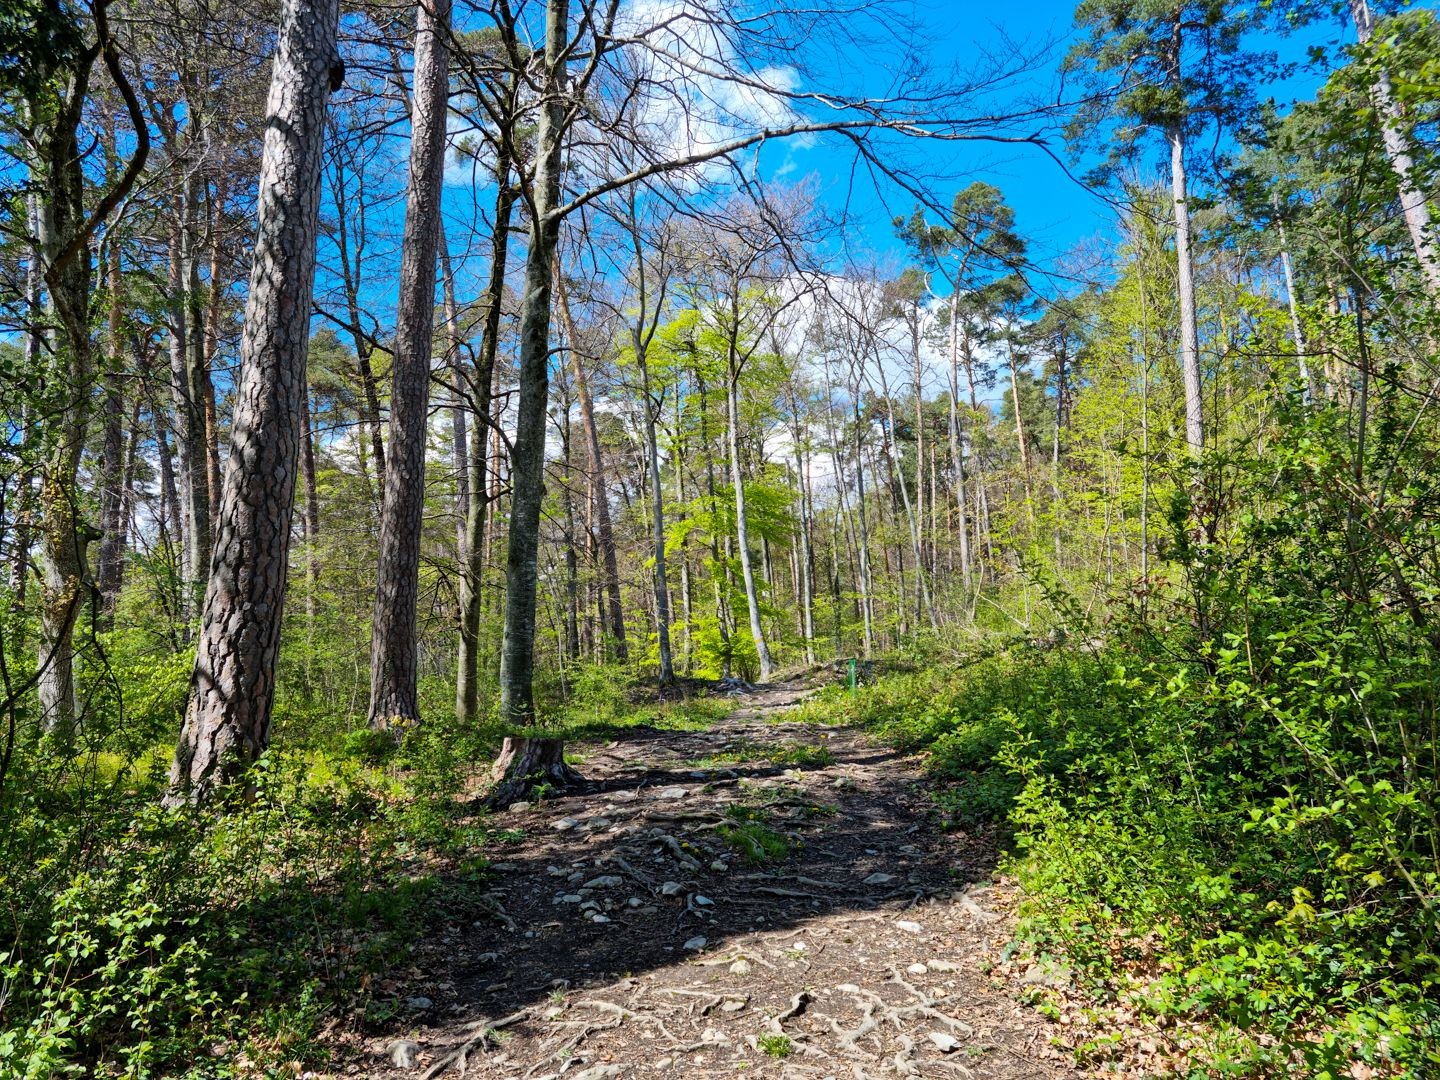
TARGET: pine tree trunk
(227,723)
(394,670)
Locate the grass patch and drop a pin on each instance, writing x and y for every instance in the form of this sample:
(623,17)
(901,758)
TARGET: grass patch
(748,833)
(784,755)
(775,1046)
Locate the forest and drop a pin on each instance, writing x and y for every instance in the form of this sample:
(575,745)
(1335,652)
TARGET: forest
(923,536)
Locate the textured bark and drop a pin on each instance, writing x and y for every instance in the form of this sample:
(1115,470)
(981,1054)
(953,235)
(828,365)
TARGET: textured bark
(227,722)
(525,764)
(393,659)
(527,471)
(1189,330)
(472,597)
(1413,204)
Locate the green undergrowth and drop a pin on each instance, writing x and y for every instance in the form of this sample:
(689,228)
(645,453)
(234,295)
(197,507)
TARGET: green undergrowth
(1224,806)
(142,942)
(1200,847)
(595,704)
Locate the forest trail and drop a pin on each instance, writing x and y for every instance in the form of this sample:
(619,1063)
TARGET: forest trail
(630,937)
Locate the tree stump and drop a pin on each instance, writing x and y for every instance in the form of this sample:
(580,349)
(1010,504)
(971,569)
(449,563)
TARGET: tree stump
(526,763)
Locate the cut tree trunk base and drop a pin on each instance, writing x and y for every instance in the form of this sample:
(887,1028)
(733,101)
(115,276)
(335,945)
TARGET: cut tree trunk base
(526,764)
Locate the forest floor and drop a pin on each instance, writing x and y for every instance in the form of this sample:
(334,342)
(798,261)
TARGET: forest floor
(763,898)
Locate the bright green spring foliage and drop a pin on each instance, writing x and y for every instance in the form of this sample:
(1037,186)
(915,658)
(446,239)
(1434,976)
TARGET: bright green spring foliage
(1225,808)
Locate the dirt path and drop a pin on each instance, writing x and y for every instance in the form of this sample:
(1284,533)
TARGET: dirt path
(631,936)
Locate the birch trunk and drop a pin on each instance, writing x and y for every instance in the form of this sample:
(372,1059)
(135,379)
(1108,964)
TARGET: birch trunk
(1189,330)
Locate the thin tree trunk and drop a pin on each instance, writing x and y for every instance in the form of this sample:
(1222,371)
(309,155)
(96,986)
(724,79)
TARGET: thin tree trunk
(112,458)
(64,536)
(215,204)
(742,531)
(227,723)
(394,672)
(459,438)
(350,277)
(1189,331)
(599,490)
(311,520)
(1413,204)
(472,596)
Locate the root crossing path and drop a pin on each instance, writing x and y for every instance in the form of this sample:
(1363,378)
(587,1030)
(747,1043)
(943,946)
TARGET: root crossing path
(764,898)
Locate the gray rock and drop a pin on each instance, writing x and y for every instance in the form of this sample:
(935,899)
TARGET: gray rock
(740,967)
(598,1072)
(598,918)
(909,927)
(1051,975)
(569,898)
(672,793)
(695,944)
(719,866)
(419,1004)
(403,1053)
(917,969)
(703,901)
(634,902)
(942,965)
(518,807)
(944,1041)
(671,888)
(880,879)
(598,823)
(604,881)
(564,824)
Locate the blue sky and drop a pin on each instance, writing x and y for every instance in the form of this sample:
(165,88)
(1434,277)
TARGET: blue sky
(1052,210)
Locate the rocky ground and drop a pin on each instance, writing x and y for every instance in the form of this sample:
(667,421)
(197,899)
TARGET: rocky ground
(766,898)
